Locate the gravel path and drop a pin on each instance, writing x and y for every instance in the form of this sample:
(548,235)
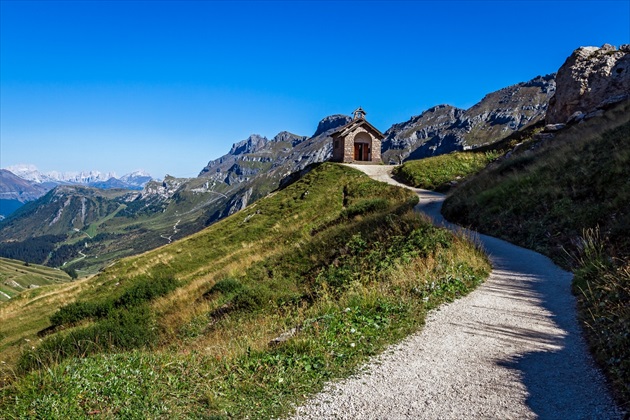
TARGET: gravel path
(510,349)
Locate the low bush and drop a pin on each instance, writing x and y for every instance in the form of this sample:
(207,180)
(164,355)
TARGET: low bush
(142,290)
(226,286)
(123,329)
(365,207)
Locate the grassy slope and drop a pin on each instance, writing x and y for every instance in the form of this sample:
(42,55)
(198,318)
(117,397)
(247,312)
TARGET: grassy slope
(570,197)
(337,255)
(15,277)
(438,172)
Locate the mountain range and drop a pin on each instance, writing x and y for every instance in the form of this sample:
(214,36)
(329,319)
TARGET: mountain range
(88,228)
(22,183)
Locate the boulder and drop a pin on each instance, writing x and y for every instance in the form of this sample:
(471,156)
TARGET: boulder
(591,78)
(554,127)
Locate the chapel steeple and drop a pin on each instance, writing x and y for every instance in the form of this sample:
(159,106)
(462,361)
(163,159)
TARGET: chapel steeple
(359,114)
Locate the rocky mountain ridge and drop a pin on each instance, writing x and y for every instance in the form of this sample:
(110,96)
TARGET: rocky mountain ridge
(444,128)
(97,179)
(26,183)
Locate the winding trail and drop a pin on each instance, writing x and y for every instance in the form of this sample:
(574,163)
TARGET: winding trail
(510,349)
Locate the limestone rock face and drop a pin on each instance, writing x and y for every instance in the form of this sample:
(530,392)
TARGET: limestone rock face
(331,122)
(443,129)
(590,79)
(249,145)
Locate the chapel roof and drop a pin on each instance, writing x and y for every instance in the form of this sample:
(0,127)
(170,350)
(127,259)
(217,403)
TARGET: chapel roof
(361,122)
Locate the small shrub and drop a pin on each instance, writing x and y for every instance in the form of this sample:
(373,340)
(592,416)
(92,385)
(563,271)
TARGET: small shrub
(226,286)
(251,298)
(141,291)
(603,292)
(144,290)
(74,312)
(365,207)
(123,329)
(71,272)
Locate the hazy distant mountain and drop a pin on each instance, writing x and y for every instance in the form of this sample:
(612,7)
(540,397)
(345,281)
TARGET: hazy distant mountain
(31,173)
(15,191)
(134,181)
(137,178)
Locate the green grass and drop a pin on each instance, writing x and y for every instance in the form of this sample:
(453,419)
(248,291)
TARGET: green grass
(348,267)
(437,173)
(570,199)
(16,277)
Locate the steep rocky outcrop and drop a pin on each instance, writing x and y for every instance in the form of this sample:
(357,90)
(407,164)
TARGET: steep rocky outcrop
(590,79)
(443,129)
(425,132)
(331,122)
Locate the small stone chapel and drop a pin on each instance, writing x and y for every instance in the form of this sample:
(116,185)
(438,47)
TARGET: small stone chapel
(358,141)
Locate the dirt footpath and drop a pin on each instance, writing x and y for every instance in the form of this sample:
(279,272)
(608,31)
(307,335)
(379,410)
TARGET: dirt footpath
(510,349)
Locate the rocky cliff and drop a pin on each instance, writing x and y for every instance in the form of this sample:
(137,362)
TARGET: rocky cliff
(591,79)
(257,165)
(444,128)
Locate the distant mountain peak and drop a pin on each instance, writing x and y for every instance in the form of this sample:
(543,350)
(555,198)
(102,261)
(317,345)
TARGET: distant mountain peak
(287,136)
(249,145)
(331,122)
(137,172)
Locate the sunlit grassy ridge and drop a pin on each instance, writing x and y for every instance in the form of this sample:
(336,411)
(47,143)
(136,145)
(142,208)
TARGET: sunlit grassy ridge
(336,260)
(570,199)
(436,173)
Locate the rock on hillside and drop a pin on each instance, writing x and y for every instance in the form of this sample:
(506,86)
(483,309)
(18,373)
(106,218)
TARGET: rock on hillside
(331,123)
(590,79)
(424,133)
(444,128)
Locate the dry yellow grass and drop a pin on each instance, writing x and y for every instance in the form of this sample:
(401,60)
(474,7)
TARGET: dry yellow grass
(26,314)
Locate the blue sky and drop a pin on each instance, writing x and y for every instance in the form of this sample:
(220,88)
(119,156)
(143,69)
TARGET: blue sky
(168,86)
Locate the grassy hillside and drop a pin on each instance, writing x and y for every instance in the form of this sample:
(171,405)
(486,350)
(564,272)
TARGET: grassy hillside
(244,318)
(17,276)
(569,198)
(438,173)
